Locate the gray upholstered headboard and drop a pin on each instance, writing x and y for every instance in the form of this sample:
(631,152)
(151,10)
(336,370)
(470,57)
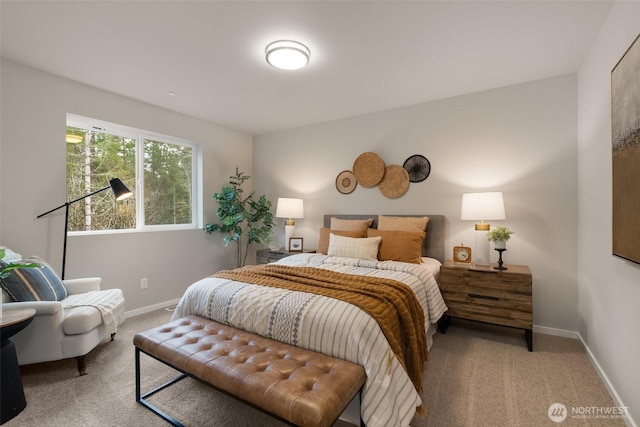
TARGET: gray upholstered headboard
(433,246)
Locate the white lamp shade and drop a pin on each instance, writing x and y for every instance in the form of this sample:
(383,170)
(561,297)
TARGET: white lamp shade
(289,208)
(482,206)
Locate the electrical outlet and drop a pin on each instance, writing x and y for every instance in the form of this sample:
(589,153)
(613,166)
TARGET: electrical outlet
(144,283)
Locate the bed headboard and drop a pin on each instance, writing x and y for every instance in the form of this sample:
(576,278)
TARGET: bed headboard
(433,246)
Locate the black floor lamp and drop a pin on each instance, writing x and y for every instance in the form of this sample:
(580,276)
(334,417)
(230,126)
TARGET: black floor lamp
(119,190)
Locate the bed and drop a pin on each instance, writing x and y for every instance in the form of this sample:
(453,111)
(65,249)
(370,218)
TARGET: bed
(332,326)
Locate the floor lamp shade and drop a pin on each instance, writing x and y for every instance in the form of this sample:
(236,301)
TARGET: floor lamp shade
(290,209)
(120,191)
(482,207)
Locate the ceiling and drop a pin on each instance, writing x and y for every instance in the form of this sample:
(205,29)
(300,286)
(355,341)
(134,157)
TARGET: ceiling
(366,56)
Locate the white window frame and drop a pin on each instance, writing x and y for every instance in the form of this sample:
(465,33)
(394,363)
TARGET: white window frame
(139,136)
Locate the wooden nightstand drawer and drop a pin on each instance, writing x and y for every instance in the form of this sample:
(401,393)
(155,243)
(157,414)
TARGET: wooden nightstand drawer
(483,300)
(501,290)
(490,314)
(266,256)
(488,295)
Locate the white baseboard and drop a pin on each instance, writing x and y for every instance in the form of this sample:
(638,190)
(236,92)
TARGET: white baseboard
(603,377)
(555,332)
(150,308)
(629,421)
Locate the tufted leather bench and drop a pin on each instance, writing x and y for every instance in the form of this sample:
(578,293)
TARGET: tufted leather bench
(294,384)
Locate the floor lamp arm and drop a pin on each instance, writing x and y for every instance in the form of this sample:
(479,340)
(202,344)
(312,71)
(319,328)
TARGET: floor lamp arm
(53,210)
(73,201)
(66,222)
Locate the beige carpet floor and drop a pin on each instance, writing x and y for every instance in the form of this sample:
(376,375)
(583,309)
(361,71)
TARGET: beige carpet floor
(478,375)
(483,375)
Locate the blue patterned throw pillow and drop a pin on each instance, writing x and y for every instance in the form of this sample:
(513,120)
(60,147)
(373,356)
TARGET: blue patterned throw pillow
(34,284)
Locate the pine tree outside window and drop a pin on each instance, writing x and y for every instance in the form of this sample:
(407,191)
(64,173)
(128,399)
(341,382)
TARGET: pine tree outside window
(161,171)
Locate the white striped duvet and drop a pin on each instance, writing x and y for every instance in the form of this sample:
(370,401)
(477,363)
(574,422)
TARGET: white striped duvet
(327,325)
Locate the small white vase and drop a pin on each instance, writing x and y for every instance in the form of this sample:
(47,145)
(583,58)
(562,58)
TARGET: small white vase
(500,244)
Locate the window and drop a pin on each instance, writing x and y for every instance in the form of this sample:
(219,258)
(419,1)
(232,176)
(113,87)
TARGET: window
(161,171)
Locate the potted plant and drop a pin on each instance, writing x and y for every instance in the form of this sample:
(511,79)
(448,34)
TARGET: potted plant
(240,215)
(5,269)
(499,237)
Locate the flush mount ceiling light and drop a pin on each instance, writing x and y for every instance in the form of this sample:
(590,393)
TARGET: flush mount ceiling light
(287,54)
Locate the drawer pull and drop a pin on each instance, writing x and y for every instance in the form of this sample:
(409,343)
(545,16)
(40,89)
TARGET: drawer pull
(484,297)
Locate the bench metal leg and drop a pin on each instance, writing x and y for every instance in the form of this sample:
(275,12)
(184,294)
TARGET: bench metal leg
(142,398)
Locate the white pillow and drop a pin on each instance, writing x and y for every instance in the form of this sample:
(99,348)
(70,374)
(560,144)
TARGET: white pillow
(363,248)
(10,256)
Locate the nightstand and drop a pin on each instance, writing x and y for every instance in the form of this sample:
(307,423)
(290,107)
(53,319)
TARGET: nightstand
(484,294)
(266,256)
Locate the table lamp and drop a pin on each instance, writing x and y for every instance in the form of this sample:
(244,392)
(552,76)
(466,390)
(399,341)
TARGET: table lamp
(482,207)
(290,209)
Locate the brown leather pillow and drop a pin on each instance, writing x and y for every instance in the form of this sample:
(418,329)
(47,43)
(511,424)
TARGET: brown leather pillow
(323,240)
(403,246)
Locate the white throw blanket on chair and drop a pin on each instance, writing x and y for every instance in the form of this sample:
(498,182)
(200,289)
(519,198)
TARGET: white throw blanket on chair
(109,302)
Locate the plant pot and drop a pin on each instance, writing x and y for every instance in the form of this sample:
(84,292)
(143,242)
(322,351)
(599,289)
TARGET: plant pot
(500,244)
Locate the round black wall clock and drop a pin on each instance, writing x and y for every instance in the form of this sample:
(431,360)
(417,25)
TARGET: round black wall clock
(418,168)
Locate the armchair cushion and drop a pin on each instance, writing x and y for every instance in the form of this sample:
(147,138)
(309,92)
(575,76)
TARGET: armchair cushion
(81,320)
(35,284)
(109,304)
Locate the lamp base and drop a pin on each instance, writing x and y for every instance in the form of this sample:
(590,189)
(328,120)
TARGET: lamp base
(481,248)
(288,233)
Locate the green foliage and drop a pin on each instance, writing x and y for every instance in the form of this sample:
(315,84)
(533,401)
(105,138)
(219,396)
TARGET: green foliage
(239,215)
(5,270)
(167,177)
(90,166)
(499,233)
(167,183)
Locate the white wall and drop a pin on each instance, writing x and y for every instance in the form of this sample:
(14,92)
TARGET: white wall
(609,287)
(34,107)
(519,139)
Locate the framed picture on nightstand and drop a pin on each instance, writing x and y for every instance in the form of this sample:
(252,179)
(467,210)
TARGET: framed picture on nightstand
(295,244)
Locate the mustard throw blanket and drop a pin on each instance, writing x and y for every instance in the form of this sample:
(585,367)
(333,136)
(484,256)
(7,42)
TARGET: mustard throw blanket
(391,303)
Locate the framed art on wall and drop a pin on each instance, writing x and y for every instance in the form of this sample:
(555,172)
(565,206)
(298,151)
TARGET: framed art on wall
(625,139)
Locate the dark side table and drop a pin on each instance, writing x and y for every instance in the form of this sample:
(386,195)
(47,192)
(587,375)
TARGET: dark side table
(266,256)
(12,400)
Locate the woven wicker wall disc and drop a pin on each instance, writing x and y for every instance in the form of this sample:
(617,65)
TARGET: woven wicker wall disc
(395,182)
(346,182)
(368,169)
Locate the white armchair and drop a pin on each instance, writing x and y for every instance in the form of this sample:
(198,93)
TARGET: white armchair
(71,327)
